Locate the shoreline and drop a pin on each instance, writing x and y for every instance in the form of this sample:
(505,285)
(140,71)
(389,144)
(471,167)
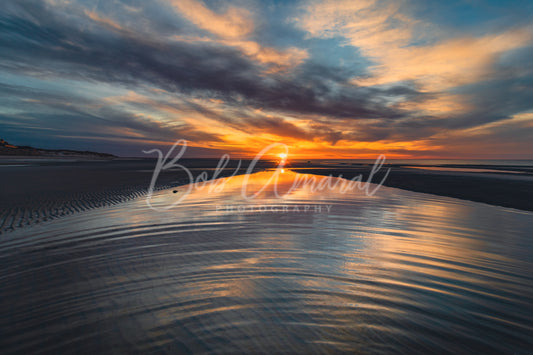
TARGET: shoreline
(513,189)
(33,193)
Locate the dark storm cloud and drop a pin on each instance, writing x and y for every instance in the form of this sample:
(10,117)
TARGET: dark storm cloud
(47,45)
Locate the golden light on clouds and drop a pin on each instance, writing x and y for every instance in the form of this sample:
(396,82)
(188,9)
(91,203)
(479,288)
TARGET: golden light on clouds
(233,23)
(329,78)
(437,66)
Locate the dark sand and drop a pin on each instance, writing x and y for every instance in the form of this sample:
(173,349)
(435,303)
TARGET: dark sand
(511,187)
(38,190)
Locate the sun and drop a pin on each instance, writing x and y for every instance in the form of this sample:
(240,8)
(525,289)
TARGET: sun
(283,156)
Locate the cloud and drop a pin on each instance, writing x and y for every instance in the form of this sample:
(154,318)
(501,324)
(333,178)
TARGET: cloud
(448,64)
(275,59)
(233,23)
(388,37)
(107,22)
(372,25)
(63,115)
(66,51)
(223,77)
(508,138)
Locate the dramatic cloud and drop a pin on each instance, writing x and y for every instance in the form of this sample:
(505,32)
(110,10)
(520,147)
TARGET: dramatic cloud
(233,23)
(386,35)
(329,78)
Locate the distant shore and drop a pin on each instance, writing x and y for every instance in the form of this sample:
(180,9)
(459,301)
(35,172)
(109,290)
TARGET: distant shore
(4,159)
(22,152)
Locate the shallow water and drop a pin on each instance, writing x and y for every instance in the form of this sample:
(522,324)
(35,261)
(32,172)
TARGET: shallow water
(344,272)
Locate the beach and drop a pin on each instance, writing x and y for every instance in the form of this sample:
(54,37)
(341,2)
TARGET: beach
(38,190)
(500,185)
(328,271)
(382,203)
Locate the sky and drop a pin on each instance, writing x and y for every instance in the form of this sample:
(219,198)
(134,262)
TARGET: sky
(328,78)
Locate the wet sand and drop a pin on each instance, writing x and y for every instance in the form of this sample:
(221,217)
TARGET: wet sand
(505,186)
(38,190)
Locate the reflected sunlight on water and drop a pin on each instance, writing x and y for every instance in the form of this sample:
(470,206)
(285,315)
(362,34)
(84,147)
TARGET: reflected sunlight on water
(397,271)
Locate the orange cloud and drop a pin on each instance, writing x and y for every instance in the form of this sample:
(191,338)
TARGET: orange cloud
(276,59)
(288,58)
(363,23)
(445,65)
(443,104)
(384,35)
(234,23)
(103,20)
(231,28)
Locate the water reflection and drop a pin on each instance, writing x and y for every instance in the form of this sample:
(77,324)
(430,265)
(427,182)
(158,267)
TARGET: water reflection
(398,271)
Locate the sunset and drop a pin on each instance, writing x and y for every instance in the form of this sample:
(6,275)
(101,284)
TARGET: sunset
(266,177)
(331,79)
